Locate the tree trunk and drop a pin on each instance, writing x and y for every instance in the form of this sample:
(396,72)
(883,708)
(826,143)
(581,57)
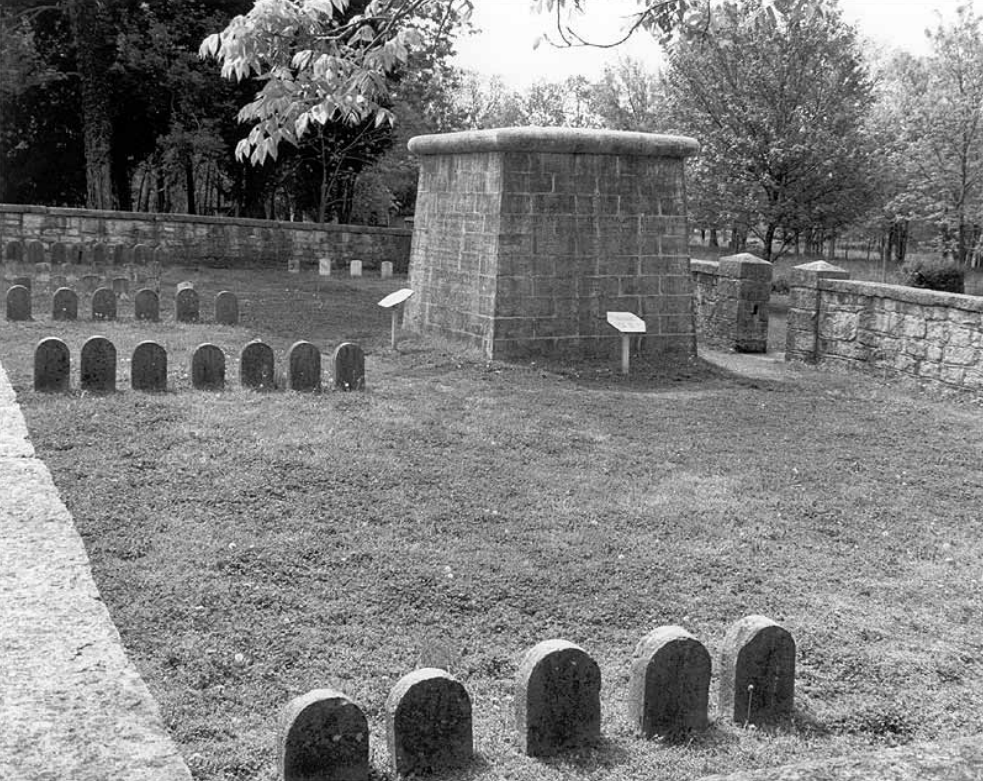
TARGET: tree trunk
(189,183)
(769,240)
(93,38)
(714,239)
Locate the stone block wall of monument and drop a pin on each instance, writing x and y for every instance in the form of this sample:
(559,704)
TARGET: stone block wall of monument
(525,238)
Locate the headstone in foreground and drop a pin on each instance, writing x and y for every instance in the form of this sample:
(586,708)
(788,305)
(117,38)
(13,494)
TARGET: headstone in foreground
(146,305)
(52,366)
(104,304)
(65,304)
(18,303)
(323,735)
(669,684)
(558,699)
(186,306)
(98,365)
(208,368)
(428,723)
(148,370)
(349,367)
(757,672)
(303,367)
(257,366)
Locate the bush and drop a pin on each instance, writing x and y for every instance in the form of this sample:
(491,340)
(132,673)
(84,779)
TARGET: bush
(944,275)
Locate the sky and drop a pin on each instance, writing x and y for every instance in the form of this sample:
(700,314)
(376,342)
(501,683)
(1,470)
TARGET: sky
(506,45)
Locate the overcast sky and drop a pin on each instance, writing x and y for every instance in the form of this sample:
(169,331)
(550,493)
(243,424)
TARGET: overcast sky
(505,46)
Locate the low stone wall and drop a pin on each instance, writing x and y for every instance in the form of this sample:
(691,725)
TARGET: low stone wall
(932,337)
(730,302)
(221,241)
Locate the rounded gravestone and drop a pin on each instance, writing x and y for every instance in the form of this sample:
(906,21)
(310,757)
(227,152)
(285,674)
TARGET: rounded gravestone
(52,366)
(65,304)
(146,305)
(100,255)
(97,368)
(428,723)
(757,672)
(14,252)
(349,367)
(23,282)
(59,253)
(35,252)
(186,306)
(558,699)
(89,282)
(148,369)
(669,684)
(257,366)
(142,254)
(303,367)
(104,304)
(76,254)
(323,735)
(18,303)
(121,286)
(208,368)
(226,308)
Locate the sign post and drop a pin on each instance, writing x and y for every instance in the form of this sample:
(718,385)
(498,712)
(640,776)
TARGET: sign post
(627,324)
(394,303)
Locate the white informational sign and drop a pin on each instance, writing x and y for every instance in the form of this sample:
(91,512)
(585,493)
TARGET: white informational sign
(324,267)
(395,299)
(626,322)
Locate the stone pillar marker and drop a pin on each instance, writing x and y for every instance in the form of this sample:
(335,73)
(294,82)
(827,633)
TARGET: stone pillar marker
(323,735)
(428,723)
(802,336)
(355,268)
(349,367)
(386,269)
(226,308)
(757,672)
(52,366)
(65,304)
(257,366)
(324,267)
(208,368)
(746,281)
(558,699)
(669,684)
(148,369)
(104,304)
(303,367)
(524,237)
(146,305)
(98,365)
(18,303)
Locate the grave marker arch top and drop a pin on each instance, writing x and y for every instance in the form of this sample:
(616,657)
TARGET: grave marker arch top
(524,237)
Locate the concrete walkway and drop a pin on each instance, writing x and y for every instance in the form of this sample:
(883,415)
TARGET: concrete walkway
(72,707)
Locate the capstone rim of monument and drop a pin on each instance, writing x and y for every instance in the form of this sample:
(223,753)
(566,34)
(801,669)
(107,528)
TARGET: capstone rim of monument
(560,140)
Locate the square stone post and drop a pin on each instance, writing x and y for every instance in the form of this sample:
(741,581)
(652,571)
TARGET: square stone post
(744,289)
(804,305)
(524,239)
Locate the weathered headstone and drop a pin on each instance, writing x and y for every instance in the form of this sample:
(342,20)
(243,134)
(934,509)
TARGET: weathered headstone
(558,699)
(52,366)
(35,252)
(669,684)
(303,367)
(100,255)
(23,282)
(104,304)
(323,736)
(428,723)
(293,265)
(59,253)
(121,286)
(58,281)
(18,303)
(208,368)
(89,282)
(97,369)
(146,305)
(42,272)
(159,257)
(148,370)
(349,367)
(324,267)
(355,268)
(226,308)
(186,306)
(386,269)
(142,254)
(65,304)
(185,284)
(757,672)
(14,252)
(257,366)
(78,254)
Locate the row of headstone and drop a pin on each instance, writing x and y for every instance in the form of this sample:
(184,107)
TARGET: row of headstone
(354,267)
(87,283)
(323,734)
(146,305)
(148,367)
(99,253)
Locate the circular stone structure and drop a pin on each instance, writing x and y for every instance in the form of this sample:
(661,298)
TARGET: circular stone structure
(524,239)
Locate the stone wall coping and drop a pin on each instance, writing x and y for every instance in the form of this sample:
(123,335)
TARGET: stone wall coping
(908,295)
(164,217)
(704,266)
(560,140)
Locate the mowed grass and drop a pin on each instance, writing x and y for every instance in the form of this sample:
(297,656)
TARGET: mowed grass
(253,546)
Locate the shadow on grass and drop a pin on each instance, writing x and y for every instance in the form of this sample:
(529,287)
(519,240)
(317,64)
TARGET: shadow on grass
(605,753)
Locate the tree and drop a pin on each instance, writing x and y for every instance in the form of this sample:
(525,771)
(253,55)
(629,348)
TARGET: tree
(779,109)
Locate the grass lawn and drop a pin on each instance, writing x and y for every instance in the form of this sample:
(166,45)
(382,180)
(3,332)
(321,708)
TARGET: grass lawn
(254,546)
